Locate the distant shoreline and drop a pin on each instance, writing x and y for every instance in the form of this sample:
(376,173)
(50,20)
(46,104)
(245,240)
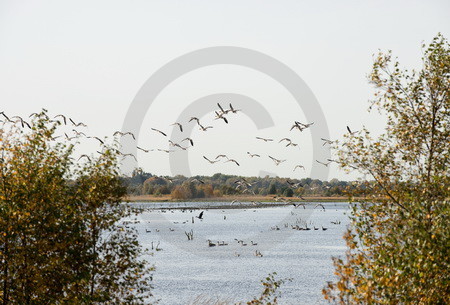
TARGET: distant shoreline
(228,198)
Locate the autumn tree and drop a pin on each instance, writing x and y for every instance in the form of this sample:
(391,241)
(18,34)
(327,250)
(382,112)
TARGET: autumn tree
(399,239)
(61,241)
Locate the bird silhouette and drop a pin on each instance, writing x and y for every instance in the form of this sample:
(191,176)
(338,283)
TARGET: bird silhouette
(179,125)
(122,134)
(277,162)
(154,129)
(234,161)
(210,161)
(264,139)
(253,155)
(188,139)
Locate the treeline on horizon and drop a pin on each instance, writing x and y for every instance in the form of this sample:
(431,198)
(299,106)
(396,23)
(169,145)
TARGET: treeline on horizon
(181,187)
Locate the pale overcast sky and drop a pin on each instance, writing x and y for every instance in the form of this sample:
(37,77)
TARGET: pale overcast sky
(89,59)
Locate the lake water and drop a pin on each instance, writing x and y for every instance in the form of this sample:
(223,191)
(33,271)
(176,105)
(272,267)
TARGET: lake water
(186,269)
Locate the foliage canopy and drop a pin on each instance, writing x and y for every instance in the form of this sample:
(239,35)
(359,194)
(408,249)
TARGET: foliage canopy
(399,241)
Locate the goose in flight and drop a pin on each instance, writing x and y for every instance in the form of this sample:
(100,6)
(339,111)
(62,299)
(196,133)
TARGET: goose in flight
(319,205)
(63,117)
(221,156)
(77,124)
(221,116)
(233,110)
(98,139)
(198,180)
(277,162)
(122,134)
(294,184)
(232,160)
(144,150)
(22,121)
(252,155)
(222,110)
(84,156)
(188,139)
(298,166)
(200,216)
(69,138)
(325,141)
(289,142)
(6,117)
(243,182)
(129,155)
(212,162)
(323,163)
(165,150)
(350,131)
(154,129)
(264,139)
(202,128)
(79,133)
(301,126)
(179,125)
(296,205)
(168,179)
(177,145)
(194,119)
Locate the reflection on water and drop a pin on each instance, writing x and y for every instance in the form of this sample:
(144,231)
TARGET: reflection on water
(296,243)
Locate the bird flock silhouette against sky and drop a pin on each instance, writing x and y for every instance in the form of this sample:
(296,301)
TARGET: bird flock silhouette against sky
(58,56)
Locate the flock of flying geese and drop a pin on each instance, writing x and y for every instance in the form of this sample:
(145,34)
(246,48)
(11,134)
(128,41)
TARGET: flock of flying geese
(220,114)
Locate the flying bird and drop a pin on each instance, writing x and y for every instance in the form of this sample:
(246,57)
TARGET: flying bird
(264,139)
(301,126)
(294,184)
(64,118)
(252,155)
(79,133)
(144,150)
(204,128)
(177,145)
(350,131)
(200,216)
(188,139)
(179,125)
(277,162)
(194,119)
(232,160)
(298,166)
(129,155)
(122,134)
(323,163)
(198,180)
(325,141)
(222,110)
(77,124)
(221,116)
(165,150)
(212,162)
(84,156)
(22,122)
(233,110)
(154,129)
(6,117)
(98,139)
(221,156)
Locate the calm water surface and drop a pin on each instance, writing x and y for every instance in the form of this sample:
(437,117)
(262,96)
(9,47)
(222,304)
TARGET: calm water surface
(188,269)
